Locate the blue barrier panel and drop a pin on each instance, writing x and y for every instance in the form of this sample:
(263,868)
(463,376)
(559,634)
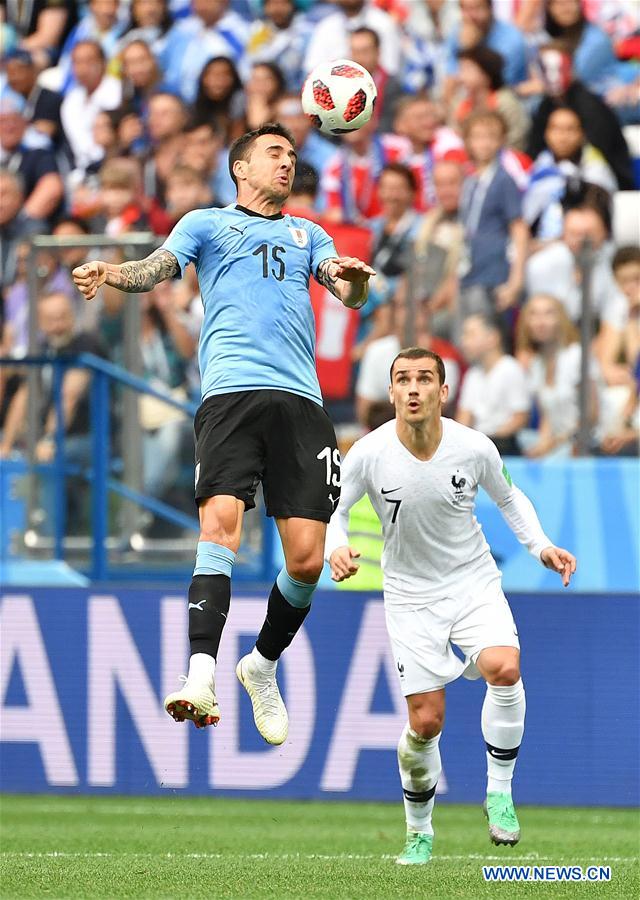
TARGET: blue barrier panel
(84,673)
(590,506)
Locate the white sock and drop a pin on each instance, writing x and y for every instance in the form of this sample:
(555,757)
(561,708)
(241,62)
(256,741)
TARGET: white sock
(261,664)
(420,766)
(202,667)
(502,728)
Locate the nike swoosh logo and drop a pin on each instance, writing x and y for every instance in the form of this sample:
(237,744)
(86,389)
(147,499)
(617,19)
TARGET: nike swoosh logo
(391,490)
(239,230)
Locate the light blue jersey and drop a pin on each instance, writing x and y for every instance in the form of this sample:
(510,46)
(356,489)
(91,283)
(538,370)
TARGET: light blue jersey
(258,330)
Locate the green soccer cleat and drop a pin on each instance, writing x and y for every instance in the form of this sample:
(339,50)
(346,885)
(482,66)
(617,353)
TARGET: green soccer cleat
(504,827)
(417,849)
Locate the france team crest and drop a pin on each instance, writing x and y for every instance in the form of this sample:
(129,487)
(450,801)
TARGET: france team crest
(300,236)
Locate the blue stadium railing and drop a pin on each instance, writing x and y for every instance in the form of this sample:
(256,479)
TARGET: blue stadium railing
(99,474)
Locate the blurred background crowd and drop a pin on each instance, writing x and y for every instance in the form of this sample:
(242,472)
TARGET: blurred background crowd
(505,139)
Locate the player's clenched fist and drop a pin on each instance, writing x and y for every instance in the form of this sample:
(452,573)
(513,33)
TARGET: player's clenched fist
(342,563)
(89,277)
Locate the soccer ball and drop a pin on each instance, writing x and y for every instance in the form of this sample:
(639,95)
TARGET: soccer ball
(339,96)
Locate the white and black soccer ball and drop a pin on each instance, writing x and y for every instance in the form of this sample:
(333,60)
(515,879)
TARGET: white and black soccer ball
(339,96)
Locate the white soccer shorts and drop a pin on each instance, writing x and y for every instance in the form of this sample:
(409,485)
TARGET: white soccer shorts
(422,634)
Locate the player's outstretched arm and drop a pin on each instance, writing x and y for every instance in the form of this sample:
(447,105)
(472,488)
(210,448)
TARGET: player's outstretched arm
(561,561)
(133,277)
(347,277)
(342,563)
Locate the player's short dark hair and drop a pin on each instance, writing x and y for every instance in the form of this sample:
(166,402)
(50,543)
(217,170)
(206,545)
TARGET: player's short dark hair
(370,33)
(489,61)
(624,256)
(242,146)
(420,353)
(306,180)
(405,172)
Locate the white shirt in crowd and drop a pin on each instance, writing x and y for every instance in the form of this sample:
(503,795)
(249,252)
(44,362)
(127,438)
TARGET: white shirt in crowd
(330,38)
(552,270)
(78,114)
(495,396)
(559,401)
(432,540)
(373,376)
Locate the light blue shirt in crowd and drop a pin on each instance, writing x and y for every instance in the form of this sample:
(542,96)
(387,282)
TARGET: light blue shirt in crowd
(190,45)
(595,63)
(504,39)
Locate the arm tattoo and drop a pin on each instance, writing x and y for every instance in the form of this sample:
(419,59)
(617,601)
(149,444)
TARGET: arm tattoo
(143,274)
(326,279)
(354,298)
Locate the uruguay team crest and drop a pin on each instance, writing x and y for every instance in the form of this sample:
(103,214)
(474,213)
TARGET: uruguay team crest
(300,236)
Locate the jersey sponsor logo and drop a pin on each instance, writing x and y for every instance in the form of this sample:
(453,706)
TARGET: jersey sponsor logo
(299,235)
(199,605)
(239,230)
(390,490)
(458,484)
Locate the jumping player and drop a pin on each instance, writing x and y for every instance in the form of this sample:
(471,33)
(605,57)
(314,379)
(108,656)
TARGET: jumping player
(441,584)
(261,419)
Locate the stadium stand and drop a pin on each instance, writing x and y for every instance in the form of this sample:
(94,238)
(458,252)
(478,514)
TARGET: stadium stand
(120,118)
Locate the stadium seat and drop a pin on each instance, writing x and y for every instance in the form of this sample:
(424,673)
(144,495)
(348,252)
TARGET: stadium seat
(626,218)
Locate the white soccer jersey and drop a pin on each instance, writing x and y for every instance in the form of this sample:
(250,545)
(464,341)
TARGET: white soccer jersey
(433,542)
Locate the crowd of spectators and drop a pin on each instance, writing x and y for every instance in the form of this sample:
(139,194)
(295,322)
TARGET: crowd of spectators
(495,152)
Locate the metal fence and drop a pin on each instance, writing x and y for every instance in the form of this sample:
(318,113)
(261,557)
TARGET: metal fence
(100,475)
(100,553)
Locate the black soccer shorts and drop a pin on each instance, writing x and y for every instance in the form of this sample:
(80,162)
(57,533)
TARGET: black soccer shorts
(281,439)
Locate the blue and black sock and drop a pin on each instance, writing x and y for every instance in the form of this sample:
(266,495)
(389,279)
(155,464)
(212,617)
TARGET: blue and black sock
(209,597)
(288,607)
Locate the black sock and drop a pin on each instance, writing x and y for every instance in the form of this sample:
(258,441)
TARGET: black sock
(209,599)
(281,625)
